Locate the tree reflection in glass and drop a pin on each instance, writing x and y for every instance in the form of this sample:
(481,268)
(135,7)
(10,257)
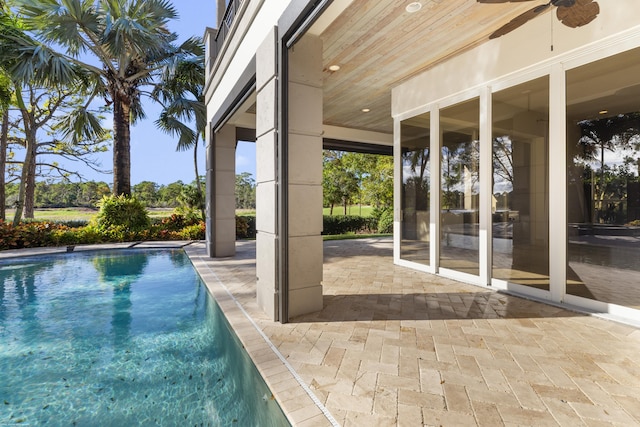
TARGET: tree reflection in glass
(603,184)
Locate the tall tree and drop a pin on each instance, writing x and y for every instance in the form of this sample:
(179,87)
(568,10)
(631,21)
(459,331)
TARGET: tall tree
(181,93)
(5,99)
(6,86)
(339,184)
(245,191)
(616,134)
(146,192)
(48,119)
(130,41)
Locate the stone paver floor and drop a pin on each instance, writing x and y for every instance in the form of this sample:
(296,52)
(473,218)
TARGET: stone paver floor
(394,346)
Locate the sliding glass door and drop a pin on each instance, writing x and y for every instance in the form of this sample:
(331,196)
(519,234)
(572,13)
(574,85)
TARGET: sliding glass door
(415,172)
(603,183)
(520,196)
(460,187)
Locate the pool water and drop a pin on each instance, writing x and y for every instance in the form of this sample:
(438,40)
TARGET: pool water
(121,338)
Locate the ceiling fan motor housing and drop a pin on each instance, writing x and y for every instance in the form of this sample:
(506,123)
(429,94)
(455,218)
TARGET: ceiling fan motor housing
(563,3)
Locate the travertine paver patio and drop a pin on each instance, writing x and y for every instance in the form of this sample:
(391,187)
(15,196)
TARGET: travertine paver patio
(393,346)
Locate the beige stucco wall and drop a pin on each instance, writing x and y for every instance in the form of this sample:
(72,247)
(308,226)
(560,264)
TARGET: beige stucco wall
(525,48)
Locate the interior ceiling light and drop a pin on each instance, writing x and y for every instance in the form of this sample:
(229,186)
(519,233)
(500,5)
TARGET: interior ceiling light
(603,111)
(366,110)
(334,67)
(413,7)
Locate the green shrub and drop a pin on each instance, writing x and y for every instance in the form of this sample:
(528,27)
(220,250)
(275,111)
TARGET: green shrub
(190,214)
(177,222)
(121,216)
(38,234)
(71,223)
(7,235)
(193,232)
(63,237)
(28,235)
(344,224)
(245,227)
(88,235)
(377,212)
(385,223)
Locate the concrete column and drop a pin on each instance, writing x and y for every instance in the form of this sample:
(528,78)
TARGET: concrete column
(305,176)
(303,151)
(221,202)
(266,174)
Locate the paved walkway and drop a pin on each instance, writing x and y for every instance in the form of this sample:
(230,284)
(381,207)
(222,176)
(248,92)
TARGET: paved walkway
(393,346)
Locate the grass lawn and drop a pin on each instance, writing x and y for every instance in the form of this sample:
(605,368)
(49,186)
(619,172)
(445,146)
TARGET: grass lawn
(246,212)
(351,210)
(79,214)
(352,236)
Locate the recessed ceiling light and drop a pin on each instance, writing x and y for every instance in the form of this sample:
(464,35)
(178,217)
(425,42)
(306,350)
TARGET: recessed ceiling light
(366,110)
(334,67)
(413,7)
(603,111)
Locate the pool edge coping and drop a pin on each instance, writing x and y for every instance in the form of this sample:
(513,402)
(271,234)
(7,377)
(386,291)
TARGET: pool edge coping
(272,365)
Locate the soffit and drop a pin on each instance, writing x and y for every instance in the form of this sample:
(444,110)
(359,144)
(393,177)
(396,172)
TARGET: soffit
(378,45)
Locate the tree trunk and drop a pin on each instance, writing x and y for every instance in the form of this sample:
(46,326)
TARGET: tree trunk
(30,187)
(29,158)
(121,147)
(4,133)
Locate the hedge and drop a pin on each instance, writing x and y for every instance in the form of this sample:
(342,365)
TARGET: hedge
(46,233)
(34,234)
(344,224)
(332,225)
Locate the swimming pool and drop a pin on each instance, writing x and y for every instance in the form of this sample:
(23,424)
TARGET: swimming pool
(124,337)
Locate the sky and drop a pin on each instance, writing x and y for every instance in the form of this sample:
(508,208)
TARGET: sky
(153,155)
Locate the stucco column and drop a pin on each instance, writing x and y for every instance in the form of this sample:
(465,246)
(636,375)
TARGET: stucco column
(221,202)
(305,176)
(300,209)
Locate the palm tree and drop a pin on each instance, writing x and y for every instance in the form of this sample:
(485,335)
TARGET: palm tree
(120,46)
(181,95)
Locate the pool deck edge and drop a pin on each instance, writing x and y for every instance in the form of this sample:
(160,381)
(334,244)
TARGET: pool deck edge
(299,404)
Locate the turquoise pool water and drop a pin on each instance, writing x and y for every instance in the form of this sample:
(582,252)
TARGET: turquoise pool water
(121,338)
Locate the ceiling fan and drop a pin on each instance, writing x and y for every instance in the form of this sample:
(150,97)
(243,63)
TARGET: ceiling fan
(572,13)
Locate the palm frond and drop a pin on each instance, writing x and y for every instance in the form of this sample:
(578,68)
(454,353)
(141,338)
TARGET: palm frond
(81,124)
(187,138)
(70,23)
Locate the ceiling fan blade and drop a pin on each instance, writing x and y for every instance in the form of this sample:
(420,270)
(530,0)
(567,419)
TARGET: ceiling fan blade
(519,21)
(501,1)
(581,13)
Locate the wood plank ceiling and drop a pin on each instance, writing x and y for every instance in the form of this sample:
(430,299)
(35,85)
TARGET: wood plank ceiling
(378,45)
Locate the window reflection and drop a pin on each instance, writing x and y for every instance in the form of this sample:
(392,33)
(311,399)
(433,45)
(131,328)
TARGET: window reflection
(603,194)
(520,201)
(459,186)
(414,244)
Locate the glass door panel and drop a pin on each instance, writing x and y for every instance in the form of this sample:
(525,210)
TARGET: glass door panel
(459,187)
(415,238)
(520,199)
(603,183)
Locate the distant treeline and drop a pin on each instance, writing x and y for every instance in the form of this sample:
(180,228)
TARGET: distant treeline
(87,194)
